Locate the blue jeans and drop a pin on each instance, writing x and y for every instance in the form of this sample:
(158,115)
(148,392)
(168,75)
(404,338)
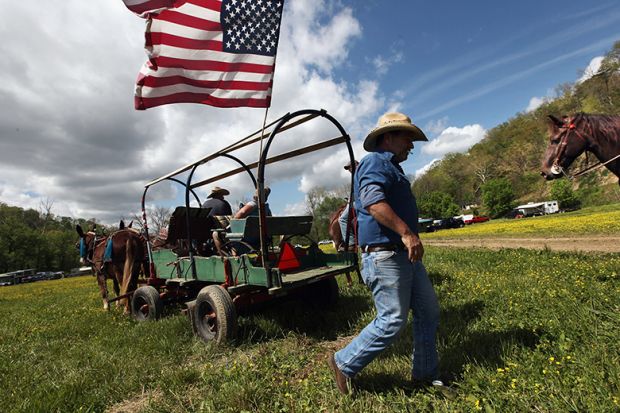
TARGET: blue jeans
(397,285)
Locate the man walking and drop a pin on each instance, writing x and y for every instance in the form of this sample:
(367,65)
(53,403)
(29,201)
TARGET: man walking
(392,254)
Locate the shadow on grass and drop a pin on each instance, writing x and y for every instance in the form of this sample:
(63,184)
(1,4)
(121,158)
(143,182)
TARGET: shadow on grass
(438,278)
(458,347)
(484,348)
(296,314)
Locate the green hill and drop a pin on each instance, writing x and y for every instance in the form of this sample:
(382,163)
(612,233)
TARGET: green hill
(513,150)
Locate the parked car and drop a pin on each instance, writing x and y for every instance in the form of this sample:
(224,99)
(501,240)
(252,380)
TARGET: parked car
(447,223)
(476,219)
(425,225)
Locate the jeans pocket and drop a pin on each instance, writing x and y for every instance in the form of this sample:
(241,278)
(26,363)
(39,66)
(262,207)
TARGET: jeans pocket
(382,255)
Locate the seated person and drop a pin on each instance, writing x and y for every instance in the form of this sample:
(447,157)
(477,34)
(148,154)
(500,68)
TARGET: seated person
(217,203)
(251,208)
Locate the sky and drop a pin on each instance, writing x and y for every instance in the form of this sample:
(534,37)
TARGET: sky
(70,137)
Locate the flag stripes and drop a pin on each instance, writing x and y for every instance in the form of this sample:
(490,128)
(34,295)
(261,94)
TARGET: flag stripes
(189,60)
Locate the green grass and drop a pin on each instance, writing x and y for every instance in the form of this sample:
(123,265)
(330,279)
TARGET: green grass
(596,221)
(521,331)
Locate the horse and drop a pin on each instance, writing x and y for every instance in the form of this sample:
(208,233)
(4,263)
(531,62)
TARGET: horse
(119,256)
(572,136)
(334,230)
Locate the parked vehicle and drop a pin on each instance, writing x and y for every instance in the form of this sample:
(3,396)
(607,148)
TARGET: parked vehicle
(448,223)
(425,225)
(476,219)
(536,208)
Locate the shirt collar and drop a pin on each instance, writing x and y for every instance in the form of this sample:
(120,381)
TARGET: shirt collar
(389,156)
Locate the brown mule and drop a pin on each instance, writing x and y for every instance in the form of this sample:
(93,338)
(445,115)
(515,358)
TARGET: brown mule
(128,257)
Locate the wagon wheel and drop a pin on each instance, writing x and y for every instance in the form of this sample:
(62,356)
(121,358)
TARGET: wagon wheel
(236,248)
(146,304)
(323,294)
(215,318)
(288,237)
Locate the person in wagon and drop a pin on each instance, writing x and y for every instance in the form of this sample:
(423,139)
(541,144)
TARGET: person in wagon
(251,208)
(219,206)
(392,268)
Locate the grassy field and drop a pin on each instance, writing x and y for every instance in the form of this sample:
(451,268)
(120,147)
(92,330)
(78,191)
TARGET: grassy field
(601,220)
(521,331)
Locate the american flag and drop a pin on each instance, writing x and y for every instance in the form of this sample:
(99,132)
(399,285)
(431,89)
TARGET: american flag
(216,52)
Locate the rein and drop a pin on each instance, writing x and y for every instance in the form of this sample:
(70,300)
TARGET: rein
(90,250)
(562,148)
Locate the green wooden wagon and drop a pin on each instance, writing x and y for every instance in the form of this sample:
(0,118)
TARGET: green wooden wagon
(216,286)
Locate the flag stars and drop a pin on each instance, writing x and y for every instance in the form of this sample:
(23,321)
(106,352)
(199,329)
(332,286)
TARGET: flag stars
(250,26)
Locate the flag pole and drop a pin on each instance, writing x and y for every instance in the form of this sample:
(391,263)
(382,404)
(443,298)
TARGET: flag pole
(262,215)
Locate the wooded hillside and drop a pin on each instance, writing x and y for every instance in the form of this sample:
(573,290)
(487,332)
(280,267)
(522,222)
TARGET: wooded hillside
(38,239)
(513,150)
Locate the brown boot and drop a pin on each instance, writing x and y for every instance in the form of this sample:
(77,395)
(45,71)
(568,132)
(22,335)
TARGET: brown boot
(343,383)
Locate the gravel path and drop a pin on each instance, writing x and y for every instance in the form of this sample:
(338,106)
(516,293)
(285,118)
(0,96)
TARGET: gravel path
(584,244)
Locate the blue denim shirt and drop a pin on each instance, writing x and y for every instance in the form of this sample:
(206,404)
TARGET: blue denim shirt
(387,181)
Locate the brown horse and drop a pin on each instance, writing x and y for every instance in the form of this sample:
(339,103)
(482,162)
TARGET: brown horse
(119,257)
(572,136)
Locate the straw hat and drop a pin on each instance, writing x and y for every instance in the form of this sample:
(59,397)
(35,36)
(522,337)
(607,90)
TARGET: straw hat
(389,122)
(218,191)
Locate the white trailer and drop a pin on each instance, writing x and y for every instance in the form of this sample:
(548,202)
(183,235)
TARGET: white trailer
(538,208)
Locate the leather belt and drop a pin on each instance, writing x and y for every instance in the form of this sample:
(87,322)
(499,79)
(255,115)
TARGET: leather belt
(383,247)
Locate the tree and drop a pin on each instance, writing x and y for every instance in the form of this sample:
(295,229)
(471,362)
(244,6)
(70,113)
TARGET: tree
(562,191)
(437,204)
(321,204)
(158,218)
(497,196)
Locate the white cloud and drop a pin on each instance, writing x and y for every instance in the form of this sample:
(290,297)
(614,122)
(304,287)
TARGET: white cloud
(436,126)
(382,63)
(592,69)
(298,208)
(535,103)
(454,139)
(418,173)
(70,133)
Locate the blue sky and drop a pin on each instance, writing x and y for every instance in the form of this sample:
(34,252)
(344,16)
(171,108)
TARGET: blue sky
(69,132)
(468,64)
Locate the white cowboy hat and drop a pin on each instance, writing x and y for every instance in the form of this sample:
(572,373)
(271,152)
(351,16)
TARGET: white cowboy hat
(393,121)
(218,191)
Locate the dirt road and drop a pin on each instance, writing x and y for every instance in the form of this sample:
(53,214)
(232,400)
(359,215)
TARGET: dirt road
(585,244)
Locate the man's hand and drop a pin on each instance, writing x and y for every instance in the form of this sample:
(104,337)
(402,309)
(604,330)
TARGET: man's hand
(415,250)
(385,215)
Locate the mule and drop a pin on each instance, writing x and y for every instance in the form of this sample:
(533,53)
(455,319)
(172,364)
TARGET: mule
(572,136)
(119,257)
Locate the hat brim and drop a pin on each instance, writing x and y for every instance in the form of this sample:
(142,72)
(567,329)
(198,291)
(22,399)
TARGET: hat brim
(416,134)
(219,192)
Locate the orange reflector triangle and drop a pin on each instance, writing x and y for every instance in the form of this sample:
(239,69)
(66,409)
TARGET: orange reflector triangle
(288,260)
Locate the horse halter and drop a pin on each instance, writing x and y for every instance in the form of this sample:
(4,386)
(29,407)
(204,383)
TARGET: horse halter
(561,148)
(87,249)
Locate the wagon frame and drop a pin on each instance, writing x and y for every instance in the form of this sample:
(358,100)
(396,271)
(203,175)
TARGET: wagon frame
(215,288)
